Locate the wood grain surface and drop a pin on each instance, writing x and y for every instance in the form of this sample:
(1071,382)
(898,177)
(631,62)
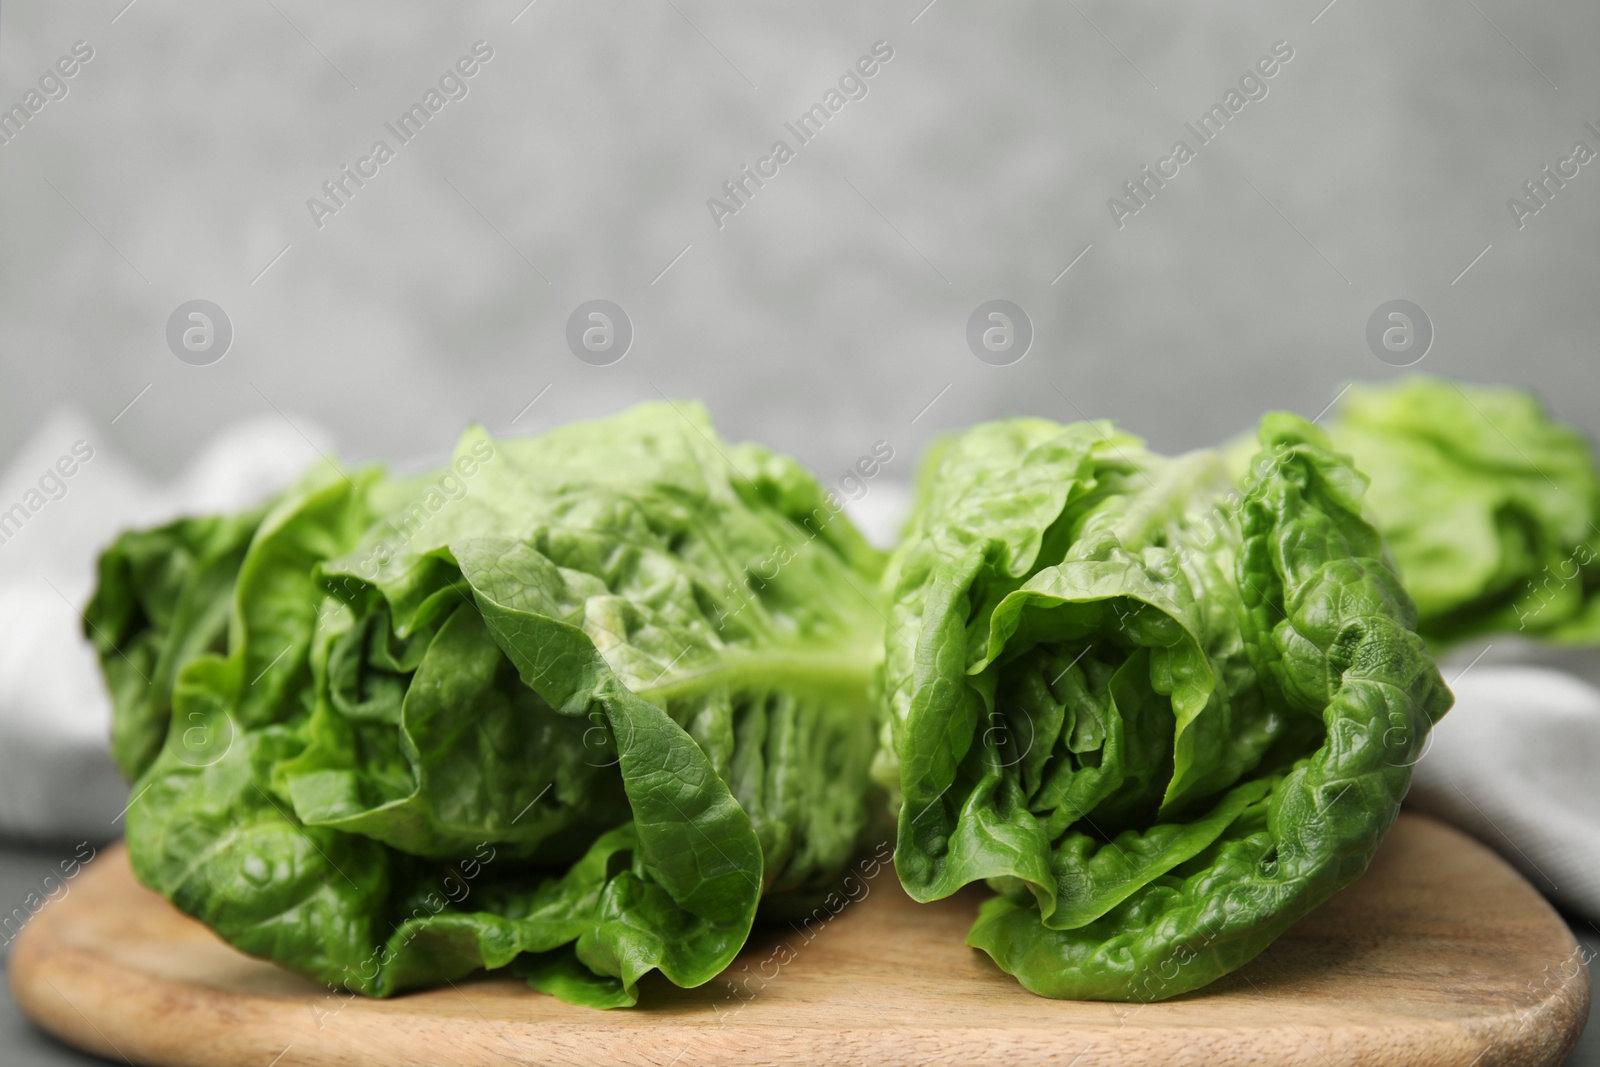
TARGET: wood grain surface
(1442,954)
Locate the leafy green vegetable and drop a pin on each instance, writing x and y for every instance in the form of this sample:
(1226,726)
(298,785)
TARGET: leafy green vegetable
(1490,508)
(575,703)
(1163,717)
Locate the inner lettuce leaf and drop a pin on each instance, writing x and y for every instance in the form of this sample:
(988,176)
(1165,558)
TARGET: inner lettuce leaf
(576,704)
(1162,713)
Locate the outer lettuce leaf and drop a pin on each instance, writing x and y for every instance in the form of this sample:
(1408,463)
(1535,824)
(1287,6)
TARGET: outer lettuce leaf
(574,704)
(163,600)
(1163,718)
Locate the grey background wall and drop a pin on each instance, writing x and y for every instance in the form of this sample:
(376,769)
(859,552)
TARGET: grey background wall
(831,309)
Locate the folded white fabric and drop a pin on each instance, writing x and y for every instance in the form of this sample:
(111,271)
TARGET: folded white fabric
(880,510)
(63,496)
(1514,764)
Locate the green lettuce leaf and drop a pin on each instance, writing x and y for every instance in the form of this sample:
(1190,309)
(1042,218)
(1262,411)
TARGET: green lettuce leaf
(1490,507)
(574,704)
(1161,715)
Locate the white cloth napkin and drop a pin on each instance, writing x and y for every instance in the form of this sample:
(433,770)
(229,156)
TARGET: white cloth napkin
(1516,763)
(56,775)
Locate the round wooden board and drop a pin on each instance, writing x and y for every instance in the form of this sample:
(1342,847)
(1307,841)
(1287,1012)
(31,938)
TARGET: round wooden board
(1441,954)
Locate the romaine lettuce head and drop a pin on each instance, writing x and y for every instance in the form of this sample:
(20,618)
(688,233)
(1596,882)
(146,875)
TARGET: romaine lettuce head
(1163,714)
(574,702)
(1489,506)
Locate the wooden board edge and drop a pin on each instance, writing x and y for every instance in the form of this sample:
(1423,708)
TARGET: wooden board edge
(257,1029)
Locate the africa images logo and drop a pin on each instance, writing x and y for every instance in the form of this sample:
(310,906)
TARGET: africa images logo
(453,85)
(1542,188)
(52,86)
(1252,86)
(852,85)
(52,485)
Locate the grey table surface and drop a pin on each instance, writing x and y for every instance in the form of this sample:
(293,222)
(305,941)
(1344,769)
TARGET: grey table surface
(22,867)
